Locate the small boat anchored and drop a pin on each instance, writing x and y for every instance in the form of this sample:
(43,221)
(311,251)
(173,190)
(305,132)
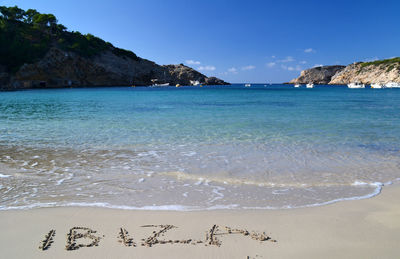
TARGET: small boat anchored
(377,86)
(155,84)
(247,85)
(356,85)
(310,85)
(392,85)
(297,85)
(194,82)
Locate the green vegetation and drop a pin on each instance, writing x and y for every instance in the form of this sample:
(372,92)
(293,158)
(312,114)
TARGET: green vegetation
(390,68)
(392,62)
(26,36)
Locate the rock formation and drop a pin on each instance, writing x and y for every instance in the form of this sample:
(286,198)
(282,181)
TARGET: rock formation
(380,71)
(38,52)
(60,68)
(317,75)
(368,73)
(181,74)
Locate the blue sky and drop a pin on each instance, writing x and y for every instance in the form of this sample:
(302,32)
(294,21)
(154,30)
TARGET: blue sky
(238,41)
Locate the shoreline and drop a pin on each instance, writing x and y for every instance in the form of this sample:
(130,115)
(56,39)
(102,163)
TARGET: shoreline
(367,228)
(182,208)
(139,86)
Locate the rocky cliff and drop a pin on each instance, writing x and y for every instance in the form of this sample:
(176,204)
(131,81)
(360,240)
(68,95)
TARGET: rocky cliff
(317,75)
(380,71)
(184,75)
(60,68)
(383,72)
(37,52)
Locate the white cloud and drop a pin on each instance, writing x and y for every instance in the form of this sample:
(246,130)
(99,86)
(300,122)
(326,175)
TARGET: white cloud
(371,59)
(192,62)
(318,65)
(309,50)
(287,59)
(292,68)
(303,62)
(206,68)
(271,64)
(232,70)
(249,67)
(273,57)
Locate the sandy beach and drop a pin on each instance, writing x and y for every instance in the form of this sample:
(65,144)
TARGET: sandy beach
(199,129)
(367,228)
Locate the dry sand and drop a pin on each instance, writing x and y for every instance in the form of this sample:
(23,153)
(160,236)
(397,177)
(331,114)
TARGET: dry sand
(352,229)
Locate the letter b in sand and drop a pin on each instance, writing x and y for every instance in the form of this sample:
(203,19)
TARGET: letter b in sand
(76,233)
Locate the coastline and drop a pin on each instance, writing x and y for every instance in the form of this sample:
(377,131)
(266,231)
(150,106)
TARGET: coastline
(367,228)
(105,153)
(181,208)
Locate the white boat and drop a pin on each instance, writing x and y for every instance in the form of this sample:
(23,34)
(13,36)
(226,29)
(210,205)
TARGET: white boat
(296,85)
(155,85)
(392,85)
(194,83)
(377,86)
(156,80)
(310,85)
(247,85)
(356,85)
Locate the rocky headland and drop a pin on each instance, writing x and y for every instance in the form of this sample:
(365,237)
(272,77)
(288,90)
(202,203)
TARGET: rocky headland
(37,52)
(380,71)
(317,75)
(60,68)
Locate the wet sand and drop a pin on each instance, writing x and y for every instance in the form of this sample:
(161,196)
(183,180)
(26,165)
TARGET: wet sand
(367,228)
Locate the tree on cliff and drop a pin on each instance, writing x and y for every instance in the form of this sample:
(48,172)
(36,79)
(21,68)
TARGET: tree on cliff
(12,13)
(31,16)
(26,36)
(44,20)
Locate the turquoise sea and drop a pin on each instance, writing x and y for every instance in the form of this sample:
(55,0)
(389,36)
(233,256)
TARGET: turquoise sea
(187,148)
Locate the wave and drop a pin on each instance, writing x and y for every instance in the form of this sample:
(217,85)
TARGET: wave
(176,207)
(200,179)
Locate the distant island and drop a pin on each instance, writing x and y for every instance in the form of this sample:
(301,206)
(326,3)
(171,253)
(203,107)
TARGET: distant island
(375,72)
(38,52)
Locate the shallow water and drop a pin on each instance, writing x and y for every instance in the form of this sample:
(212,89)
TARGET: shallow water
(271,146)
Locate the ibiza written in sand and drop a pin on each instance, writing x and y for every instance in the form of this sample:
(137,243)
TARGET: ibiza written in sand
(79,237)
